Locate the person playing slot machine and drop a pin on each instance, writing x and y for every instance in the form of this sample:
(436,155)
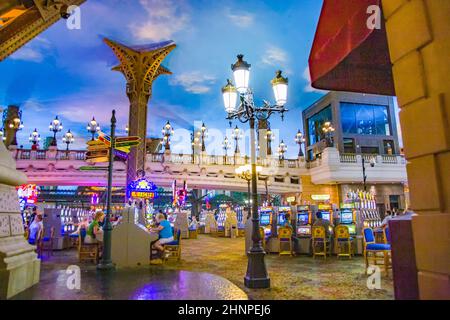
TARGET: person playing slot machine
(323,223)
(165,232)
(287,222)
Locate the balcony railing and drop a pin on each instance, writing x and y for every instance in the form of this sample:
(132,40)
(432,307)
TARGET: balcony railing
(348,157)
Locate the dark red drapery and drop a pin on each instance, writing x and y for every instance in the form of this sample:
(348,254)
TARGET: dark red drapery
(347,55)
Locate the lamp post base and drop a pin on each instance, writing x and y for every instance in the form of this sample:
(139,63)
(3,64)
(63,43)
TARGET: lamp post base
(104,266)
(256,277)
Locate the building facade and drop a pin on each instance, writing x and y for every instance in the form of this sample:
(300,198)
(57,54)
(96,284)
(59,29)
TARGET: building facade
(364,126)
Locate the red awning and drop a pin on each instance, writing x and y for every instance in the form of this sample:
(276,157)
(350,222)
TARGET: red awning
(348,56)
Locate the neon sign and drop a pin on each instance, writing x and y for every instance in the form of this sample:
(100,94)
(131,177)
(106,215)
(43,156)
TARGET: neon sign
(142,189)
(27,195)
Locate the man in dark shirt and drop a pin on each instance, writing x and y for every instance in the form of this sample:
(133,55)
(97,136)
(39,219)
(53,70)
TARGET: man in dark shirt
(322,222)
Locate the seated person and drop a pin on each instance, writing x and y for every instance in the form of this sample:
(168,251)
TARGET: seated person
(324,223)
(36,230)
(385,222)
(165,232)
(94,233)
(287,221)
(194,223)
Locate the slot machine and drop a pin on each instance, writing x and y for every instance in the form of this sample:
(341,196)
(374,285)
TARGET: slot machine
(221,216)
(347,217)
(265,220)
(303,221)
(327,212)
(281,216)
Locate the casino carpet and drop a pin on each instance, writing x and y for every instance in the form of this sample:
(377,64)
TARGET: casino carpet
(299,277)
(195,276)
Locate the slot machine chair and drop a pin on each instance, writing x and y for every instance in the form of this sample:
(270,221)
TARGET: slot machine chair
(285,239)
(387,235)
(174,247)
(343,241)
(320,241)
(374,252)
(47,242)
(87,251)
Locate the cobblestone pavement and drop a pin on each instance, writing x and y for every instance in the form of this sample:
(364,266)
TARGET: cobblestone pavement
(299,277)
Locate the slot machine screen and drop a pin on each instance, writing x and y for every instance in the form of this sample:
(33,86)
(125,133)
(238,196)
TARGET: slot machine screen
(304,230)
(302,218)
(352,229)
(265,219)
(281,219)
(326,215)
(346,216)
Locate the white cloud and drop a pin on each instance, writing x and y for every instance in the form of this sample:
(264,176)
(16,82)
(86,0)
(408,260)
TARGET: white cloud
(275,56)
(308,87)
(33,51)
(194,82)
(243,20)
(165,18)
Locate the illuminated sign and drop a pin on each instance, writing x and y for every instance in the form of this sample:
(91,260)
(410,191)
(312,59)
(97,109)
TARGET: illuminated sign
(142,188)
(290,199)
(27,193)
(320,197)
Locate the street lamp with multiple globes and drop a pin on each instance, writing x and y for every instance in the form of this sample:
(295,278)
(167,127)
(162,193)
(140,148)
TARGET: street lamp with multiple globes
(167,132)
(282,148)
(203,133)
(269,137)
(299,139)
(225,145)
(34,138)
(55,126)
(68,138)
(328,129)
(245,173)
(247,111)
(15,124)
(236,135)
(93,127)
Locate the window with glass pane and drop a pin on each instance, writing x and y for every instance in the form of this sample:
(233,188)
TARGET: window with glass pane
(315,124)
(367,119)
(349,145)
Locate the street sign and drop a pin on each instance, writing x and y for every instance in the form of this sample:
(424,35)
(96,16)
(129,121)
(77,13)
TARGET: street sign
(120,154)
(105,141)
(98,153)
(93,168)
(127,141)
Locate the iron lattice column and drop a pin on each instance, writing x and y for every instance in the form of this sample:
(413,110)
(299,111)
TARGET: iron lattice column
(140,65)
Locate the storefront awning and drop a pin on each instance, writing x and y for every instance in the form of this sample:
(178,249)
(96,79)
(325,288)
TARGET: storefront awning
(347,55)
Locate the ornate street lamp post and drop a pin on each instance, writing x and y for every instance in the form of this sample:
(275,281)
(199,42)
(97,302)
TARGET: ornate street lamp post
(203,133)
(93,127)
(34,138)
(226,146)
(247,111)
(269,137)
(236,135)
(282,148)
(245,173)
(12,120)
(372,164)
(55,126)
(328,129)
(68,139)
(300,140)
(167,132)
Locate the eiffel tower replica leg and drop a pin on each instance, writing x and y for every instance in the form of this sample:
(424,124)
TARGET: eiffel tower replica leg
(140,65)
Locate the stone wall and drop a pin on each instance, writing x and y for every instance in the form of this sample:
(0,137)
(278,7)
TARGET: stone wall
(419,44)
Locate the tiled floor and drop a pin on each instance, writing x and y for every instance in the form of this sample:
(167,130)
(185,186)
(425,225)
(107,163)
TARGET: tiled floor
(195,277)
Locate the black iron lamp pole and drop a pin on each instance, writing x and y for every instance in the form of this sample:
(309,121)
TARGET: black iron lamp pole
(106,261)
(256,276)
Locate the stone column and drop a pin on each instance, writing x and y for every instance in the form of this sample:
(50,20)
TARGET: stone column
(418,37)
(19,265)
